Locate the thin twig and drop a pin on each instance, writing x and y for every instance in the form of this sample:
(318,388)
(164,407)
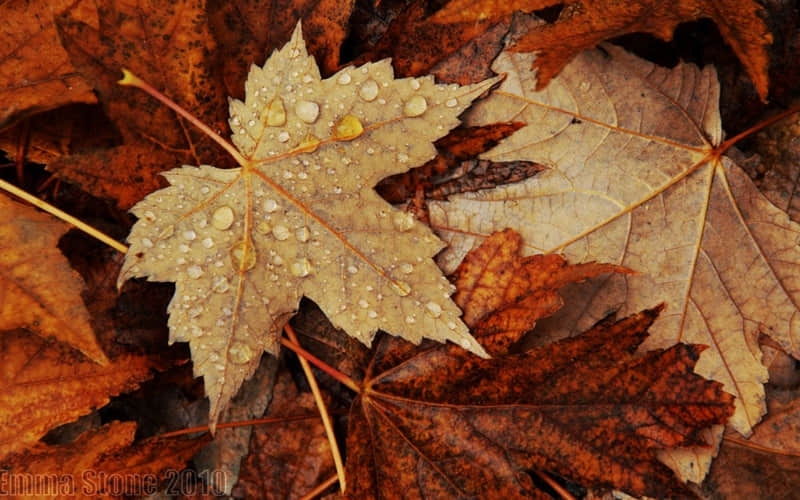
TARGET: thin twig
(86,228)
(323,411)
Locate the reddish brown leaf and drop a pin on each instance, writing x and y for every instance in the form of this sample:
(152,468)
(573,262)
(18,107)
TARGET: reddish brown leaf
(248,30)
(437,422)
(286,460)
(503,294)
(583,24)
(43,385)
(39,291)
(168,44)
(103,462)
(458,52)
(35,72)
(455,169)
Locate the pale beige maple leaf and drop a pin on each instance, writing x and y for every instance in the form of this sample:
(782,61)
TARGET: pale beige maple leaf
(634,181)
(301,218)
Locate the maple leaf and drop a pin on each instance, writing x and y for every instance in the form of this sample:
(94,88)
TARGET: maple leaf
(101,462)
(583,24)
(39,289)
(299,217)
(433,423)
(44,385)
(636,179)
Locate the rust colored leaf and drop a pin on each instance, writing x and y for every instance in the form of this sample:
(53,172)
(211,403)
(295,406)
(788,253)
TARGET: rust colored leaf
(170,45)
(286,460)
(43,385)
(103,462)
(455,170)
(434,423)
(39,291)
(248,30)
(503,294)
(458,52)
(583,24)
(35,71)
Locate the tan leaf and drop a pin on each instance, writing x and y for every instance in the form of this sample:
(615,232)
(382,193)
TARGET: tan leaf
(38,289)
(635,181)
(300,218)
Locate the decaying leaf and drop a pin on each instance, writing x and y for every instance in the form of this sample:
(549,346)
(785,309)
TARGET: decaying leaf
(300,217)
(43,385)
(38,289)
(35,72)
(635,180)
(583,24)
(434,423)
(100,463)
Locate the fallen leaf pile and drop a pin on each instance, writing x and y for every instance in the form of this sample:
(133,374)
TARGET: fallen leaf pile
(634,180)
(620,311)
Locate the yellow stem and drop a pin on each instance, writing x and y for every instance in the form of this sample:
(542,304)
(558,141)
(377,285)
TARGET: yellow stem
(86,228)
(323,411)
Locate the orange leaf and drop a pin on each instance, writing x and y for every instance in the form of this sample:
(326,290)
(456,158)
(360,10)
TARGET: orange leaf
(35,72)
(44,385)
(38,288)
(102,462)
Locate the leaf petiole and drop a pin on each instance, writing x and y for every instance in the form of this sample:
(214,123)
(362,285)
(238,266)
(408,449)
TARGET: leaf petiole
(131,80)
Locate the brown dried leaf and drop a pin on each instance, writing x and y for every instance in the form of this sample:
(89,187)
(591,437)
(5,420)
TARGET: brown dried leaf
(39,291)
(435,424)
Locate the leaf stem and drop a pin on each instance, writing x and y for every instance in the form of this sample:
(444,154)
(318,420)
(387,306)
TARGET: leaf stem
(752,130)
(333,372)
(131,80)
(86,228)
(323,412)
(319,489)
(244,423)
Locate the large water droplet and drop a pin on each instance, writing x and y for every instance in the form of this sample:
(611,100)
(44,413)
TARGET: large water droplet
(276,113)
(344,79)
(222,218)
(189,235)
(307,111)
(347,129)
(243,255)
(194,272)
(434,309)
(270,205)
(415,106)
(280,232)
(240,353)
(368,90)
(403,221)
(301,267)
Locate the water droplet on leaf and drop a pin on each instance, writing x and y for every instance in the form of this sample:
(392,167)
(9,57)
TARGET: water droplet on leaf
(347,129)
(222,218)
(415,106)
